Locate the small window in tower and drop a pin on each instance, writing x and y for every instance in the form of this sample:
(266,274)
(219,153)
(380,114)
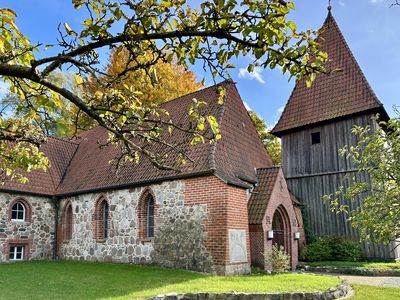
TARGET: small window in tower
(315,138)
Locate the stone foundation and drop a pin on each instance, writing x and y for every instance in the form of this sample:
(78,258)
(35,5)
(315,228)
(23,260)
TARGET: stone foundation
(236,269)
(337,292)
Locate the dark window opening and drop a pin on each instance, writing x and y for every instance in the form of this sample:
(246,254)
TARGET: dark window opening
(16,252)
(68,222)
(315,138)
(104,216)
(18,212)
(150,217)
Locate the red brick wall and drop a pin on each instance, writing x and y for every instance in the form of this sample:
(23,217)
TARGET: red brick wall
(299,216)
(227,209)
(280,197)
(238,214)
(257,245)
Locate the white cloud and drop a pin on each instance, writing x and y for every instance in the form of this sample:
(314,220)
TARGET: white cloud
(280,109)
(375,1)
(256,74)
(247,105)
(342,4)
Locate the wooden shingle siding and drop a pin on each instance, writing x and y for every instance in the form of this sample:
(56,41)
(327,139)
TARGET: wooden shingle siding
(313,171)
(300,157)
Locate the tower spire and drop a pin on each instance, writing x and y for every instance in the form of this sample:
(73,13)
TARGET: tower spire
(329,7)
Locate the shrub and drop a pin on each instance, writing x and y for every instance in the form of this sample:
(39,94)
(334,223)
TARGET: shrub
(332,248)
(279,260)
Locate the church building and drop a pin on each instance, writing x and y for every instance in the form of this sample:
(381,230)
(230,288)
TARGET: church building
(232,201)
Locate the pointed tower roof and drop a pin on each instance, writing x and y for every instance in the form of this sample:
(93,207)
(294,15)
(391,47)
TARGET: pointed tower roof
(337,95)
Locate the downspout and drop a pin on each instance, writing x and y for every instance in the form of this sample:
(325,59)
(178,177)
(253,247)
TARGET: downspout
(55,243)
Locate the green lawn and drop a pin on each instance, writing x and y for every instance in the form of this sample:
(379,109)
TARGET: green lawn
(366,292)
(76,280)
(371,265)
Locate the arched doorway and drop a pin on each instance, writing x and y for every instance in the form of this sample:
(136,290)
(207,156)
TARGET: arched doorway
(281,229)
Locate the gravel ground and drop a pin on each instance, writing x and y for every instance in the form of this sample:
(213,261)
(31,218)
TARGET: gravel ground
(376,281)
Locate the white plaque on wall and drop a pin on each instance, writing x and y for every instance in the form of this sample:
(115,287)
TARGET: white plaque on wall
(237,246)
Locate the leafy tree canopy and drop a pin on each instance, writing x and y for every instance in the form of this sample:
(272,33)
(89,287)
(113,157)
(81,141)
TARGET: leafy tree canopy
(173,81)
(271,143)
(377,154)
(212,35)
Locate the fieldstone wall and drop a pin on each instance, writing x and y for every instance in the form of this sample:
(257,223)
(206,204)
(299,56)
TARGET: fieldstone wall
(123,243)
(38,233)
(338,292)
(180,239)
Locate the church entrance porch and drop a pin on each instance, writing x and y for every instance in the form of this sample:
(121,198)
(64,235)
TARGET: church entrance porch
(272,218)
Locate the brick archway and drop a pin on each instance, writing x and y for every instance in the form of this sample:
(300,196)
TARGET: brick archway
(101,219)
(282,229)
(67,222)
(147,197)
(27,206)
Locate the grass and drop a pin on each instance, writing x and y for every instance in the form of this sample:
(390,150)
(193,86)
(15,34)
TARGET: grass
(370,265)
(78,280)
(366,292)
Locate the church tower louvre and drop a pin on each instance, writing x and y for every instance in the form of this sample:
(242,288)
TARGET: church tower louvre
(315,124)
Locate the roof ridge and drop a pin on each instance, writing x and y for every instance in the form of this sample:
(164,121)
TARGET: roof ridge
(226,81)
(219,117)
(66,169)
(54,179)
(162,104)
(62,140)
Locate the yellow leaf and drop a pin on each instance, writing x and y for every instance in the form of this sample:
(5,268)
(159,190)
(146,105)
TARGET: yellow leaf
(9,12)
(78,79)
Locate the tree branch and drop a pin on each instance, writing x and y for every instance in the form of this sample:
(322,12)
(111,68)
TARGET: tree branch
(56,61)
(27,73)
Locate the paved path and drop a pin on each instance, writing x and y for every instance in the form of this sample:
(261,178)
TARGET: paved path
(376,281)
(368,280)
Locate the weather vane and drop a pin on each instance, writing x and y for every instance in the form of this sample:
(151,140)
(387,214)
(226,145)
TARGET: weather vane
(329,6)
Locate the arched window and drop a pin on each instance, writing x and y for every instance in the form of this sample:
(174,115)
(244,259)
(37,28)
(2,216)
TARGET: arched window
(102,218)
(18,212)
(147,212)
(68,222)
(150,217)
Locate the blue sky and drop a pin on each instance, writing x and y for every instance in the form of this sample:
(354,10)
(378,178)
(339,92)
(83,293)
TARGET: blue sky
(370,27)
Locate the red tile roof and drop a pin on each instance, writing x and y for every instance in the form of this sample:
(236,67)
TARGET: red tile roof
(240,150)
(60,154)
(85,167)
(331,96)
(261,194)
